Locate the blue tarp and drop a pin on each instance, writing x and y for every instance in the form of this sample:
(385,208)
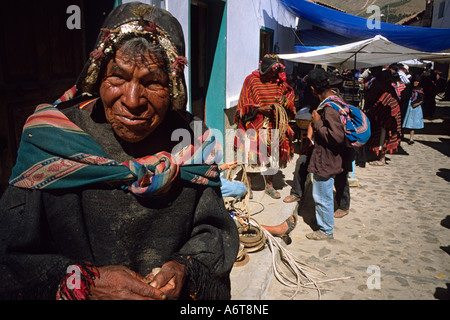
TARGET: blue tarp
(347,25)
(300,49)
(314,36)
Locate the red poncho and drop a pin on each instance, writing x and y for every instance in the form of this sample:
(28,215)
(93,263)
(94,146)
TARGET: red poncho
(385,113)
(253,94)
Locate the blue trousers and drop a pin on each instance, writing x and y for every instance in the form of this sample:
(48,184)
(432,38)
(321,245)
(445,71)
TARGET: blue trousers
(322,192)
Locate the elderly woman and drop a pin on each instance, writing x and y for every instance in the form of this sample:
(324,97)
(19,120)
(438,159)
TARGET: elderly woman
(102,203)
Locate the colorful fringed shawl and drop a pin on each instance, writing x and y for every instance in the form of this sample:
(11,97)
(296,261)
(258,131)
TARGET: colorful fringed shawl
(399,87)
(417,95)
(255,92)
(56,154)
(386,114)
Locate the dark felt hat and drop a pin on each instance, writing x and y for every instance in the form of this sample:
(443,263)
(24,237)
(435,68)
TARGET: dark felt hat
(268,62)
(318,78)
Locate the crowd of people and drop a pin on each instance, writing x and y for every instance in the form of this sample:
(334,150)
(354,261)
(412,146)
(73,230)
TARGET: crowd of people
(394,100)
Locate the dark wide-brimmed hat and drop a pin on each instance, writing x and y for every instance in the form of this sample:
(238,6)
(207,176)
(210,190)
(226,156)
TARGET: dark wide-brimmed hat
(136,19)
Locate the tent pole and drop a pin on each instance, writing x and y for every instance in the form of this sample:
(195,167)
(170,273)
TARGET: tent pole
(353,89)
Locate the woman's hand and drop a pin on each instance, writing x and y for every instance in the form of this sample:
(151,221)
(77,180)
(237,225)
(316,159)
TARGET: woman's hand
(266,110)
(121,283)
(169,279)
(281,99)
(228,165)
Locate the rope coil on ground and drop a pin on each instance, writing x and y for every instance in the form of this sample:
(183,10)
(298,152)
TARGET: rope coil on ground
(253,238)
(242,257)
(300,275)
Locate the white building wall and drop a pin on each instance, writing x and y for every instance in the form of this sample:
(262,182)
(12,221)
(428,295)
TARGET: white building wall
(441,19)
(245,18)
(243,27)
(244,22)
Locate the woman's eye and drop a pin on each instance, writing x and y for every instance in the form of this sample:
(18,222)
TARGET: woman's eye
(116,78)
(151,83)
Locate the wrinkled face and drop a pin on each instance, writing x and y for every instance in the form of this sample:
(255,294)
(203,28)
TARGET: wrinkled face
(135,94)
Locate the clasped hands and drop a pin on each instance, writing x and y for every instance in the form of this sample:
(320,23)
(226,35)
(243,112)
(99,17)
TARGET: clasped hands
(121,283)
(267,110)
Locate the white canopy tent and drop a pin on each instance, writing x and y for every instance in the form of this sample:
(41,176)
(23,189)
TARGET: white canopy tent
(377,51)
(419,63)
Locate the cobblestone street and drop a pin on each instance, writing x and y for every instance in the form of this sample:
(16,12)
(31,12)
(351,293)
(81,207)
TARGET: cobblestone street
(393,245)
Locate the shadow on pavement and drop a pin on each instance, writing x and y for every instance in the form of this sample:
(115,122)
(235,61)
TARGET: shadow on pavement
(443,146)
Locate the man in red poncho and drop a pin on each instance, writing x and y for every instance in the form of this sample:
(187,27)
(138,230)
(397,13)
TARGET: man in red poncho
(265,103)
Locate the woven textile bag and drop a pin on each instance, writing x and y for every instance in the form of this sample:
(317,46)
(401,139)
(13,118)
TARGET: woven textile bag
(355,121)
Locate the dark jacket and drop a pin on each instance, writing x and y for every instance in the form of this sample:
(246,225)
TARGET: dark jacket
(329,144)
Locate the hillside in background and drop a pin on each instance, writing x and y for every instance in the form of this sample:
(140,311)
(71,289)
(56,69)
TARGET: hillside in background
(394,10)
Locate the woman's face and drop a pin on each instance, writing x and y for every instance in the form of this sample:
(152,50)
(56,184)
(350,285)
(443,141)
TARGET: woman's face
(272,74)
(135,95)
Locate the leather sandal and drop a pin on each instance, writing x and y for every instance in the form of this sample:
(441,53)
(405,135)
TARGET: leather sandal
(340,213)
(291,226)
(273,193)
(318,235)
(291,198)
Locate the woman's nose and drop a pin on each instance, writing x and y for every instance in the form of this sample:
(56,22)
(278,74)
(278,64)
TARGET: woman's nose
(132,98)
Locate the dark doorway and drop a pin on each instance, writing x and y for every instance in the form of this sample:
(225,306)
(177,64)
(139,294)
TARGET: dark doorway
(40,58)
(266,42)
(198,57)
(206,23)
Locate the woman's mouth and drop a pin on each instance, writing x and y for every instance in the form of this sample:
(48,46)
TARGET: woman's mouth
(133,121)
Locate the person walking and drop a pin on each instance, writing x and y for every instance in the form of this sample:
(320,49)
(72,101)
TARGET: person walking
(327,155)
(414,115)
(428,84)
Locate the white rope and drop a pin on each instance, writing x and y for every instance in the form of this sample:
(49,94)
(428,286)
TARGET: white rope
(299,275)
(281,121)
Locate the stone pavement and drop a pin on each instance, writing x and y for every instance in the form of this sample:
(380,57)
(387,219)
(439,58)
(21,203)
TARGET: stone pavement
(394,244)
